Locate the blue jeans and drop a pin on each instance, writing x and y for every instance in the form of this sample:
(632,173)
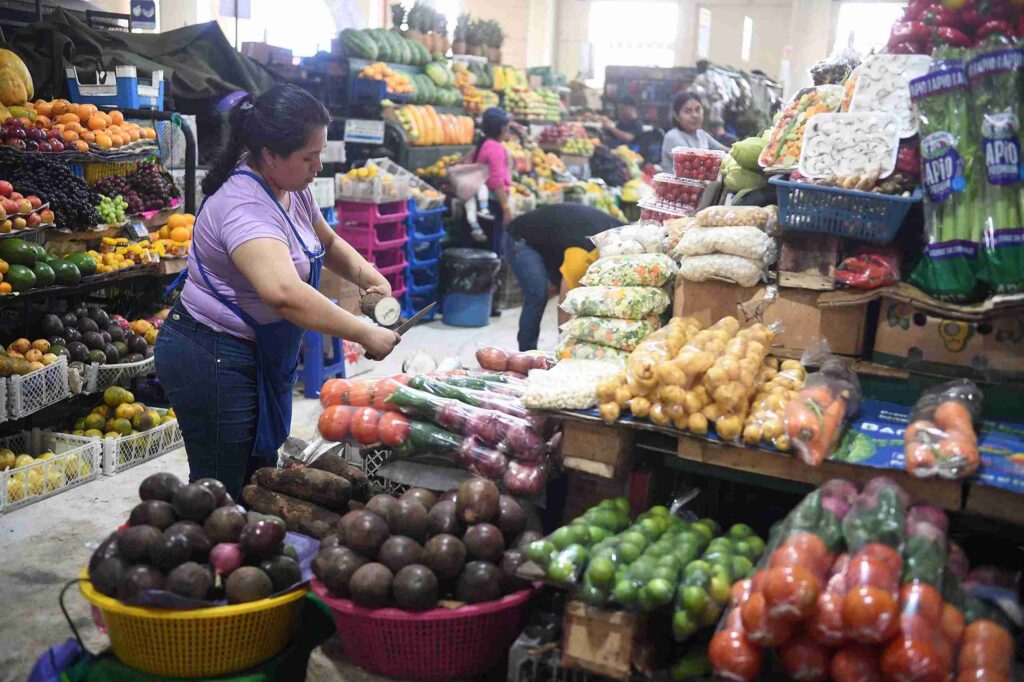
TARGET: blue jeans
(210,381)
(529,269)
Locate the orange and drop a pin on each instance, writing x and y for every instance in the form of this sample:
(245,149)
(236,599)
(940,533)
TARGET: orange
(103,140)
(115,140)
(181,234)
(177,220)
(58,107)
(150,134)
(117,117)
(68,118)
(165,231)
(86,110)
(70,135)
(88,136)
(74,125)
(59,127)
(133,135)
(97,122)
(43,122)
(82,145)
(5,288)
(191,219)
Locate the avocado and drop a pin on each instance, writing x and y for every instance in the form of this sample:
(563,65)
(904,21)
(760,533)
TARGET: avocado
(198,540)
(159,486)
(85,264)
(86,325)
(510,563)
(445,555)
(99,315)
(17,252)
(411,520)
(415,588)
(44,274)
(56,341)
(190,580)
(524,539)
(97,357)
(65,273)
(334,567)
(247,584)
(193,502)
(59,349)
(364,532)
(398,551)
(136,344)
(72,334)
(224,524)
(121,348)
(107,575)
(216,487)
(139,579)
(370,585)
(484,541)
(116,334)
(479,581)
(19,277)
(134,357)
(171,550)
(259,539)
(69,320)
(105,335)
(443,519)
(78,351)
(384,506)
(152,513)
(106,550)
(283,571)
(135,542)
(92,340)
(422,495)
(113,357)
(50,325)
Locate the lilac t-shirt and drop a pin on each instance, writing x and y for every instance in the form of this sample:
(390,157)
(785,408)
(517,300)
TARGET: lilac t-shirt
(241,210)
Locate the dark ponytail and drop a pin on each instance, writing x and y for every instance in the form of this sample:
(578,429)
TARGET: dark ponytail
(281,120)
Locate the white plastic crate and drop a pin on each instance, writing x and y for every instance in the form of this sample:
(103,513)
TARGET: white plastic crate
(372,190)
(99,377)
(127,451)
(75,461)
(34,391)
(370,460)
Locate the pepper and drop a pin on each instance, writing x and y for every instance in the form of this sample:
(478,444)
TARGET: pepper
(907,32)
(915,9)
(866,272)
(946,35)
(997,26)
(941,16)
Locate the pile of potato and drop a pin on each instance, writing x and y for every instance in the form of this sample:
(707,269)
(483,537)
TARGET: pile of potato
(766,420)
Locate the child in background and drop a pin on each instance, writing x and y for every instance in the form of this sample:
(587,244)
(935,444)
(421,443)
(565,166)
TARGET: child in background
(476,208)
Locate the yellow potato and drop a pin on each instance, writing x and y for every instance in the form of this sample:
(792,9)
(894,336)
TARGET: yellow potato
(752,434)
(658,415)
(640,407)
(698,423)
(728,427)
(609,412)
(622,395)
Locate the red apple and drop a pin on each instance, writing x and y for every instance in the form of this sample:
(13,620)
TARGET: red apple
(17,196)
(47,216)
(33,219)
(6,188)
(56,145)
(35,201)
(10,206)
(19,223)
(24,206)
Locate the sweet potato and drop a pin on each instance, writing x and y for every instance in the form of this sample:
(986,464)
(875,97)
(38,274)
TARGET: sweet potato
(335,463)
(312,485)
(299,516)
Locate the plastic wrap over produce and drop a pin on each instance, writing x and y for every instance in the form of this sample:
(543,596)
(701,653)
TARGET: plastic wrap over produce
(940,440)
(569,385)
(816,417)
(610,331)
(501,360)
(675,230)
(744,241)
(569,347)
(742,271)
(765,217)
(631,303)
(637,270)
(487,398)
(631,239)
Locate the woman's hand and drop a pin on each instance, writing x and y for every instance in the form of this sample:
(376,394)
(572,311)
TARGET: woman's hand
(383,288)
(379,342)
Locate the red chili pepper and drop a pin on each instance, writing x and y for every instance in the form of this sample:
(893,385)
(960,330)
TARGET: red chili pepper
(867,271)
(997,26)
(907,32)
(969,17)
(947,35)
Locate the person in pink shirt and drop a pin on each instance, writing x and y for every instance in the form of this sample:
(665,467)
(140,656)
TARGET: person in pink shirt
(492,152)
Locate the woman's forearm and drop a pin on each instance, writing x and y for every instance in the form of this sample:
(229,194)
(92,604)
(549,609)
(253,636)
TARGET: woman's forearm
(342,259)
(306,307)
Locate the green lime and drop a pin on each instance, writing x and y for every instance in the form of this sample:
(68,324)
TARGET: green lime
(579,521)
(704,531)
(668,573)
(540,552)
(720,543)
(689,537)
(594,595)
(561,571)
(562,537)
(597,534)
(629,552)
(719,589)
(684,555)
(653,527)
(695,600)
(580,534)
(577,554)
(683,625)
(711,614)
(696,567)
(642,570)
(607,519)
(691,665)
(625,593)
(660,590)
(635,537)
(741,567)
(622,504)
(742,548)
(658,510)
(601,572)
(715,527)
(756,547)
(740,531)
(670,561)
(717,556)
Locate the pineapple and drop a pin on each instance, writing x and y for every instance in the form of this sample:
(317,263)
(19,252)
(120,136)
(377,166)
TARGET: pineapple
(397,16)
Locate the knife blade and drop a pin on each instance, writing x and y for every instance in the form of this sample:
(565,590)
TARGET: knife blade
(408,324)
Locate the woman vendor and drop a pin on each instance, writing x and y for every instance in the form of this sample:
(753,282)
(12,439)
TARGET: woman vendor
(688,117)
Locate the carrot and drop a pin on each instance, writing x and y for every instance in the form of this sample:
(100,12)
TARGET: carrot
(818,448)
(803,420)
(820,395)
(952,416)
(918,456)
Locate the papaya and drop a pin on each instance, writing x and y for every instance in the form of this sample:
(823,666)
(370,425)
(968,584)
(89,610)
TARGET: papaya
(15,79)
(65,273)
(17,252)
(20,278)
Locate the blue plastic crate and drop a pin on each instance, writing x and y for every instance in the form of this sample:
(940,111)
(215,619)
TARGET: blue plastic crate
(804,207)
(369,90)
(425,225)
(330,216)
(123,91)
(422,254)
(422,280)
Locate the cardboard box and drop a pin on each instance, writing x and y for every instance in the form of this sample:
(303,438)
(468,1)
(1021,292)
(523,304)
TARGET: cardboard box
(341,290)
(267,54)
(990,350)
(601,642)
(802,313)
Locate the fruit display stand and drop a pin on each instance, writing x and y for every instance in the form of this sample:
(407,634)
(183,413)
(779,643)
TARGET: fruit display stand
(128,451)
(72,464)
(98,377)
(32,392)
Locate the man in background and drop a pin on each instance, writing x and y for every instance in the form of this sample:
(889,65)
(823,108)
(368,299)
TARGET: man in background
(629,126)
(550,246)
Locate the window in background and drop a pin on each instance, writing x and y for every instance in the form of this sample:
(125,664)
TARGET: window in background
(864,26)
(632,33)
(303,26)
(748,37)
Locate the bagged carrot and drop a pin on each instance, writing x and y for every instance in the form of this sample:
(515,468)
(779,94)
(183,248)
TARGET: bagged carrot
(941,440)
(816,417)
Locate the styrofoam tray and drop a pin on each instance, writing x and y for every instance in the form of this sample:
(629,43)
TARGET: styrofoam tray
(845,144)
(883,84)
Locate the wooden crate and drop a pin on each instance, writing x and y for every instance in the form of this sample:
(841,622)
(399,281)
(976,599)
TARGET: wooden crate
(601,642)
(808,261)
(596,449)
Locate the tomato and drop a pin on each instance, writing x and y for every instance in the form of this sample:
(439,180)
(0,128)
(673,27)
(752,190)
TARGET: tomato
(795,555)
(863,570)
(912,660)
(885,554)
(757,582)
(813,546)
(393,429)
(985,654)
(952,625)
(916,626)
(761,628)
(739,593)
(921,598)
(385,389)
(733,657)
(791,592)
(804,659)
(825,625)
(360,393)
(870,614)
(982,675)
(334,422)
(364,425)
(855,663)
(989,630)
(332,391)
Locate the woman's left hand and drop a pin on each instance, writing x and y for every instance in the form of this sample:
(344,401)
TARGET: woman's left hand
(383,288)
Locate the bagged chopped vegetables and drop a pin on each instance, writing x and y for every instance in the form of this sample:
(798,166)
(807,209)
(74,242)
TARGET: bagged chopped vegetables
(634,270)
(742,271)
(748,242)
(569,347)
(949,157)
(941,439)
(996,76)
(610,331)
(631,303)
(631,239)
(765,217)
(569,385)
(783,148)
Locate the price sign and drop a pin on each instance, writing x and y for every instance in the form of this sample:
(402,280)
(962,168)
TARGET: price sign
(136,230)
(364,131)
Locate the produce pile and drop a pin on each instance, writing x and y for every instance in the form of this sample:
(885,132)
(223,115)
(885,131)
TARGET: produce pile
(119,415)
(174,238)
(92,335)
(412,551)
(28,479)
(437,85)
(941,440)
(557,135)
(19,212)
(532,105)
(194,542)
(60,125)
(425,127)
(928,24)
(657,561)
(857,586)
(609,166)
(378,44)
(26,266)
(370,183)
(145,188)
(785,141)
(438,169)
(395,82)
(72,202)
(741,172)
(734,243)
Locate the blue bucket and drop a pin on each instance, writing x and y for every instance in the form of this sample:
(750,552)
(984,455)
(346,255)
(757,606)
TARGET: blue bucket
(467,310)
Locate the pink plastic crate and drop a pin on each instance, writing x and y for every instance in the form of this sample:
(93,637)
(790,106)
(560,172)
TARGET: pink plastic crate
(397,281)
(354,212)
(390,261)
(375,237)
(697,164)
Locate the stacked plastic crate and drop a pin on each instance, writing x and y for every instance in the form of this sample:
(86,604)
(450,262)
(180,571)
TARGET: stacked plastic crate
(377,231)
(425,228)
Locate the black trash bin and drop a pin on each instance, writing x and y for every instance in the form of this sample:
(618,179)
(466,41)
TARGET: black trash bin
(467,286)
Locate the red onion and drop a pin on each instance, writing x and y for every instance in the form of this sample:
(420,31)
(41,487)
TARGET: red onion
(930,514)
(226,557)
(879,482)
(926,530)
(837,505)
(838,487)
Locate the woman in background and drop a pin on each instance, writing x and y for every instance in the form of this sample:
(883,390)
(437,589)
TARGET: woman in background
(688,116)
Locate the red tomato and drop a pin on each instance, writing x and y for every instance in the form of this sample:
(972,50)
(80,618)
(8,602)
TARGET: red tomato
(761,628)
(863,570)
(916,626)
(813,546)
(986,654)
(952,625)
(989,630)
(733,657)
(364,425)
(332,391)
(912,660)
(757,582)
(359,394)
(334,422)
(921,598)
(885,554)
(870,614)
(739,593)
(855,663)
(791,592)
(825,625)
(393,429)
(804,659)
(982,676)
(385,388)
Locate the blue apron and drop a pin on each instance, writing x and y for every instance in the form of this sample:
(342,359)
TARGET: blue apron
(277,347)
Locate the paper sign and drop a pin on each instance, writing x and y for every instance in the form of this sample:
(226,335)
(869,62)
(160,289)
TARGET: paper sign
(136,230)
(364,131)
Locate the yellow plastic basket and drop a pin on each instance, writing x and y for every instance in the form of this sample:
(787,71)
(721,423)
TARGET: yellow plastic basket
(197,643)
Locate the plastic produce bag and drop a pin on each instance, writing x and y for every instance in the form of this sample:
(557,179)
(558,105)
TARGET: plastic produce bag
(724,216)
(569,347)
(476,456)
(610,331)
(569,385)
(742,271)
(870,268)
(631,239)
(675,230)
(526,479)
(777,384)
(782,151)
(638,270)
(744,241)
(815,419)
(996,75)
(950,177)
(501,360)
(940,440)
(631,303)
(731,380)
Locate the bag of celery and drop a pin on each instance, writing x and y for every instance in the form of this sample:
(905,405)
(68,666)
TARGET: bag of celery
(949,175)
(996,74)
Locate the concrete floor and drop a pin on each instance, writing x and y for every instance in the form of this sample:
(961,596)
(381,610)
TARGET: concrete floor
(44,545)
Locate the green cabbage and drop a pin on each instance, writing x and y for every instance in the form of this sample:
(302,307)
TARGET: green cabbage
(745,152)
(739,178)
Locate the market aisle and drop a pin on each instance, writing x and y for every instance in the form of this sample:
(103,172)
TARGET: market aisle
(45,544)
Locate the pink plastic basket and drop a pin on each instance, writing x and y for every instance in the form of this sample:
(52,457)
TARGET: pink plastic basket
(439,644)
